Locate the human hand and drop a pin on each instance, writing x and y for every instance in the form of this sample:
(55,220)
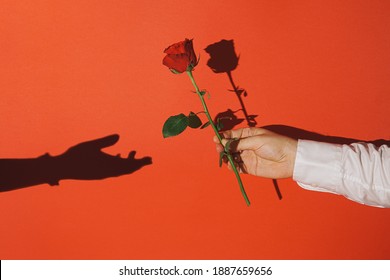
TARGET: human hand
(86,161)
(262,152)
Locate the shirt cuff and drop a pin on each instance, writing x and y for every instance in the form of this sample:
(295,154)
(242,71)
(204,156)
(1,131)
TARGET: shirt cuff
(318,166)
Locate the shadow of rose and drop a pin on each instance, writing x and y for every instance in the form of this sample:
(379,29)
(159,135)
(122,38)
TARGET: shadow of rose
(223,59)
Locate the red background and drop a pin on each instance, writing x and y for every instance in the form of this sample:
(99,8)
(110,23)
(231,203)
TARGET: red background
(72,71)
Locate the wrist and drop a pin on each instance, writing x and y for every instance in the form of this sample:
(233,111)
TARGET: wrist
(50,169)
(292,154)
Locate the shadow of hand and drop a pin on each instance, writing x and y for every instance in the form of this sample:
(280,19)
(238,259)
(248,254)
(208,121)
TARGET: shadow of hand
(86,161)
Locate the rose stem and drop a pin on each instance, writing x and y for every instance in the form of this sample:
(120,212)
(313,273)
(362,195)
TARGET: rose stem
(250,123)
(219,137)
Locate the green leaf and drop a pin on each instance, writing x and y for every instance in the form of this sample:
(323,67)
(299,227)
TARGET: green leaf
(202,92)
(193,120)
(205,125)
(175,125)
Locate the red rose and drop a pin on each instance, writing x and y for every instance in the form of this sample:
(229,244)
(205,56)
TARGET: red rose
(180,57)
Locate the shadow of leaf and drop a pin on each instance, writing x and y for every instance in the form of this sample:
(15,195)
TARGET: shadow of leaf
(227,120)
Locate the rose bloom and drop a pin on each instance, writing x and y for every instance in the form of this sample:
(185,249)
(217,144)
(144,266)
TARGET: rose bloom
(180,57)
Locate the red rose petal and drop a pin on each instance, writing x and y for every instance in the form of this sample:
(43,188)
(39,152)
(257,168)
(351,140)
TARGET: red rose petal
(178,62)
(176,48)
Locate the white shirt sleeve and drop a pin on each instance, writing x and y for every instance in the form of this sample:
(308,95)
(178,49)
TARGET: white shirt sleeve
(360,171)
